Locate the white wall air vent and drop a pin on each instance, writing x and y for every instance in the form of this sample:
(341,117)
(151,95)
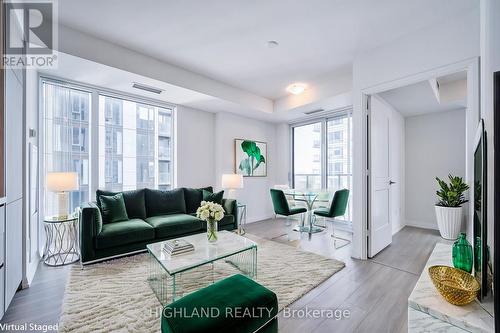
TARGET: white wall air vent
(146,88)
(314,111)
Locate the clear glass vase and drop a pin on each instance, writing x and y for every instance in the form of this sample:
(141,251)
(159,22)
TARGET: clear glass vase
(212,230)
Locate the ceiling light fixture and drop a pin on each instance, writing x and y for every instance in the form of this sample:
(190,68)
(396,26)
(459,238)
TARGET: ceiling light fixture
(296,88)
(272,44)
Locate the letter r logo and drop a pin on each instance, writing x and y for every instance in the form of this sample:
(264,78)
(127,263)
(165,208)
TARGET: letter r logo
(30,24)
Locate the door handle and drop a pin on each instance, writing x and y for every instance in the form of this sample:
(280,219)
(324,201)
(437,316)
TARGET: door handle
(391,182)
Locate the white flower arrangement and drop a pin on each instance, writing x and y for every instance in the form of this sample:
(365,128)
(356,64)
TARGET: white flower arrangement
(211,213)
(209,210)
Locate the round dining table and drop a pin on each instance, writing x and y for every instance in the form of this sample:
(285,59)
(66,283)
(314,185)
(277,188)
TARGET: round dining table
(309,197)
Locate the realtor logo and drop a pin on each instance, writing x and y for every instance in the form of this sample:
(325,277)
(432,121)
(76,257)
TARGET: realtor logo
(30,34)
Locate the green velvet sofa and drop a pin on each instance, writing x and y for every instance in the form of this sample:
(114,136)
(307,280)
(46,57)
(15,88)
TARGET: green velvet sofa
(235,304)
(153,215)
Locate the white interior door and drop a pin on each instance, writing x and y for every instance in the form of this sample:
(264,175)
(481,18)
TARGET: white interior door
(379,224)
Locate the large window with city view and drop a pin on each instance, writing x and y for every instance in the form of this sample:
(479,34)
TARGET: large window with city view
(322,154)
(113,142)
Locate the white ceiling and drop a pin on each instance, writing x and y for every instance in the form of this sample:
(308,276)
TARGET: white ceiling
(419,98)
(226,39)
(79,70)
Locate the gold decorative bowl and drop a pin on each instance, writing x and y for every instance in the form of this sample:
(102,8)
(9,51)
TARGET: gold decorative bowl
(456,286)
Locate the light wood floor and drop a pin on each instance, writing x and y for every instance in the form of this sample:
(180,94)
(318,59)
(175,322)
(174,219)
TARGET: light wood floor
(374,292)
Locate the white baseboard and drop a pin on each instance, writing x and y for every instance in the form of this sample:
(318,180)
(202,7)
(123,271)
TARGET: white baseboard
(422,224)
(398,229)
(259,218)
(31,269)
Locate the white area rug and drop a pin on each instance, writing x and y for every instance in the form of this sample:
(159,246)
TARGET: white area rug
(115,296)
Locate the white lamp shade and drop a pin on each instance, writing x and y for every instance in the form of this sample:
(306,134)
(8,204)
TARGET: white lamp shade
(62,181)
(232,181)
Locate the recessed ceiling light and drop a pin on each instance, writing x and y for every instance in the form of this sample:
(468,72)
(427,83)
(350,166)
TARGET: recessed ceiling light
(296,88)
(272,44)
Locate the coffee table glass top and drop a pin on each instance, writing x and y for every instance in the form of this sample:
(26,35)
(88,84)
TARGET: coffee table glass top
(204,252)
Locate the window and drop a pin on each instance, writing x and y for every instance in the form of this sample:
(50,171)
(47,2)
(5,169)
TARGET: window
(79,105)
(164,148)
(336,121)
(322,155)
(164,122)
(138,141)
(65,112)
(335,136)
(164,175)
(132,139)
(306,156)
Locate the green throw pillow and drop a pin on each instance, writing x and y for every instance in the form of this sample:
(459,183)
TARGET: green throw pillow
(213,197)
(113,208)
(193,197)
(135,202)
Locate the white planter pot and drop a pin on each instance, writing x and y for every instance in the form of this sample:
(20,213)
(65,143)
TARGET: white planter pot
(449,220)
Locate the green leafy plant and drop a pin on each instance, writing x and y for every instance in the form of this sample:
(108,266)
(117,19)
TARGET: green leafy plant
(254,159)
(452,194)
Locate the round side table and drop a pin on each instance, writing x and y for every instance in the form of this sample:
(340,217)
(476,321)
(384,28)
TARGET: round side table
(61,243)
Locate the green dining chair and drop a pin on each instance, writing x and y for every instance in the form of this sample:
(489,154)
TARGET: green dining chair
(337,208)
(281,207)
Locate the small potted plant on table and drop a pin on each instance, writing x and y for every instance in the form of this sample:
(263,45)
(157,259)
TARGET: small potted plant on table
(449,207)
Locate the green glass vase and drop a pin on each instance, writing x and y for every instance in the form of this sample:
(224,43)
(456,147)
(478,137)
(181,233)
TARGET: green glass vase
(462,254)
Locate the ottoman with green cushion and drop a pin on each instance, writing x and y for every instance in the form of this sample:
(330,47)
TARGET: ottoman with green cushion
(235,304)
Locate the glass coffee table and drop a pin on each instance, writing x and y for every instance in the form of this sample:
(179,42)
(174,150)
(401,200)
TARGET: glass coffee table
(172,277)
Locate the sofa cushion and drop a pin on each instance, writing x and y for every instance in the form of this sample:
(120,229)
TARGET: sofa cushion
(113,208)
(226,220)
(193,198)
(134,201)
(235,293)
(165,202)
(174,224)
(125,232)
(213,197)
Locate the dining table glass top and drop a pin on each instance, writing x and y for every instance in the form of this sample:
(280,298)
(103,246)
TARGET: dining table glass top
(310,196)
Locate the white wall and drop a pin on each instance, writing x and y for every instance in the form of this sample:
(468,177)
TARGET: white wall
(205,151)
(449,42)
(396,162)
(255,193)
(195,148)
(282,159)
(434,148)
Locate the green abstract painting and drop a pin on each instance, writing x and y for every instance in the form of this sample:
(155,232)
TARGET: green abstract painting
(250,158)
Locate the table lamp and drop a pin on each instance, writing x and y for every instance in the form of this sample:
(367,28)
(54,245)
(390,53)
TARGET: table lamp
(232,182)
(61,183)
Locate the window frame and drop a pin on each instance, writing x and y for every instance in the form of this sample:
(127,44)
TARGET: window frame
(93,121)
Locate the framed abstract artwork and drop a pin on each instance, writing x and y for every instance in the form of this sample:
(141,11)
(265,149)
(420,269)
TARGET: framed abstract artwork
(250,158)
